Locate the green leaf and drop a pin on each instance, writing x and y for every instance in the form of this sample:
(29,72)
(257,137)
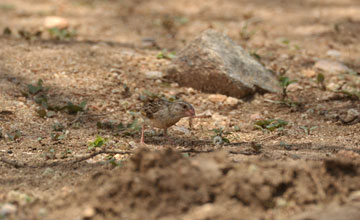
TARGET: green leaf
(320,78)
(74,109)
(34,89)
(98,142)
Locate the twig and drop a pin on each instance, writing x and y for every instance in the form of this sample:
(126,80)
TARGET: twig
(12,163)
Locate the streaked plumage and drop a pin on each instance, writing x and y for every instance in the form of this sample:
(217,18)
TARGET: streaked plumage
(160,113)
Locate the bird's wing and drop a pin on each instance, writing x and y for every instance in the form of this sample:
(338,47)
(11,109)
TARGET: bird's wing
(154,108)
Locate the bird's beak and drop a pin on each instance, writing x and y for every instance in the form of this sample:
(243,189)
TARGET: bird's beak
(190,113)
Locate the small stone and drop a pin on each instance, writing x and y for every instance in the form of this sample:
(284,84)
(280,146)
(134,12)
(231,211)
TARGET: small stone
(154,75)
(217,98)
(332,66)
(333,53)
(190,90)
(333,86)
(182,130)
(231,101)
(132,144)
(89,212)
(294,87)
(7,209)
(308,73)
(355,196)
(220,120)
(174,85)
(353,113)
(256,116)
(56,22)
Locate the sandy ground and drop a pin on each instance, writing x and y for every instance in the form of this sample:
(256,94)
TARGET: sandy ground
(307,164)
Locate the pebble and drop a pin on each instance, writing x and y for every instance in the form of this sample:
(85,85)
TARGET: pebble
(56,22)
(308,73)
(182,130)
(231,101)
(331,66)
(154,75)
(351,115)
(355,196)
(220,120)
(333,86)
(294,87)
(256,116)
(217,98)
(132,144)
(89,212)
(7,209)
(333,53)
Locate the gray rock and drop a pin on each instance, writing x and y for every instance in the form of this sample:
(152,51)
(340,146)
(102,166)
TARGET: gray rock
(332,66)
(214,63)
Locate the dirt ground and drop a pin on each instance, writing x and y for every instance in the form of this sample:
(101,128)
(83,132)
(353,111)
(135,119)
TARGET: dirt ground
(310,163)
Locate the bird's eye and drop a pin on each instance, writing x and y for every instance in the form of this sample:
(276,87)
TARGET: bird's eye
(184,106)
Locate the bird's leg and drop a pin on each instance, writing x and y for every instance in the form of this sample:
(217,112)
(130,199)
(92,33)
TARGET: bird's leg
(167,137)
(142,134)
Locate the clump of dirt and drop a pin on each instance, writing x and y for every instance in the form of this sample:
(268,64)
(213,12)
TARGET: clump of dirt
(169,185)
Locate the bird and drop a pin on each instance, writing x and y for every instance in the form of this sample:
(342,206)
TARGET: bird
(161,113)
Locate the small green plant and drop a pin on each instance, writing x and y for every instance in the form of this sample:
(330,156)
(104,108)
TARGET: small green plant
(284,83)
(14,135)
(290,45)
(50,154)
(35,89)
(220,136)
(75,108)
(61,34)
(307,129)
(132,128)
(256,147)
(64,154)
(244,33)
(112,160)
(7,7)
(254,54)
(320,79)
(7,31)
(57,136)
(285,145)
(270,124)
(30,35)
(166,55)
(98,142)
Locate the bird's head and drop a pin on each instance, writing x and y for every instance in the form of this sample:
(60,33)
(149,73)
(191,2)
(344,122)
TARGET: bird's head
(183,109)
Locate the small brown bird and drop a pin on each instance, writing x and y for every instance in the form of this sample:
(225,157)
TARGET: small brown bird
(160,113)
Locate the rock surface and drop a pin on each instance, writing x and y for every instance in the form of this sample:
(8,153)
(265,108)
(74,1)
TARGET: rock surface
(214,63)
(347,212)
(331,66)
